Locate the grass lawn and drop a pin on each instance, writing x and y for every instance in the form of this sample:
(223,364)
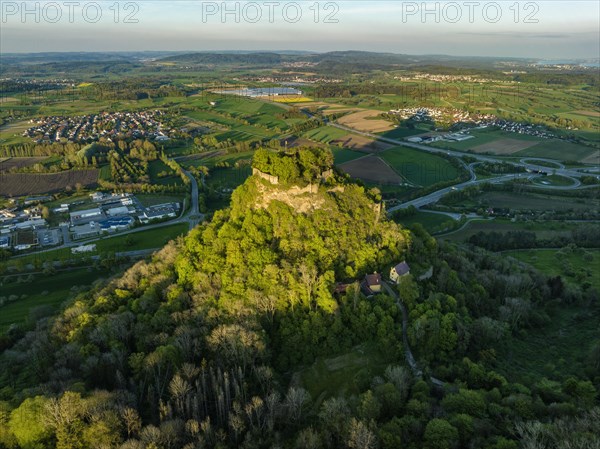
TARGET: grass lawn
(211,161)
(541,162)
(577,267)
(554,180)
(44,290)
(158,166)
(430,221)
(418,167)
(344,374)
(228,178)
(152,238)
(105,173)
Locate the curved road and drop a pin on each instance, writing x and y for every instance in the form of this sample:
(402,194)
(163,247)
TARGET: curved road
(435,196)
(410,359)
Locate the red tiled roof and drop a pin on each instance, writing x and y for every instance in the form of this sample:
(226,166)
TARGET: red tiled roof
(373,279)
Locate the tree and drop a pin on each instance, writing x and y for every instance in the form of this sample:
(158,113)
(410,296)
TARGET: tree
(440,434)
(295,401)
(333,416)
(360,436)
(28,423)
(465,401)
(369,407)
(132,420)
(308,439)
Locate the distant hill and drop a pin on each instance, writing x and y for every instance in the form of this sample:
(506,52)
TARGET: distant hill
(340,61)
(226,58)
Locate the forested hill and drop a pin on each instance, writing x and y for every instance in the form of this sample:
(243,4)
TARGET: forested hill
(218,341)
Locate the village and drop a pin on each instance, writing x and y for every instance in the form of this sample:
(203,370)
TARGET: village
(455,117)
(89,128)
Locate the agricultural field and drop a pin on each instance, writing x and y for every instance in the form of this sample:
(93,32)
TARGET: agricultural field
(19,162)
(503,147)
(503,143)
(372,169)
(401,132)
(255,112)
(529,201)
(543,230)
(244,133)
(21,184)
(361,143)
(593,158)
(366,121)
(400,165)
(419,168)
(10,134)
(292,99)
(560,150)
(341,155)
(325,134)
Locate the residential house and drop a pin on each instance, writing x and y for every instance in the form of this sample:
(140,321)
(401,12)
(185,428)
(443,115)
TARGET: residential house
(402,269)
(371,284)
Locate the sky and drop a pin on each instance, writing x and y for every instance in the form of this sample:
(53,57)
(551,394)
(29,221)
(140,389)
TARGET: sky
(548,29)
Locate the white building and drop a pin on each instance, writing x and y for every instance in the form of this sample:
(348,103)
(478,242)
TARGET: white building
(84,249)
(398,271)
(115,211)
(81,216)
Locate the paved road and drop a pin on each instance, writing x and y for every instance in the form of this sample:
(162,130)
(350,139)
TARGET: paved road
(435,196)
(407,351)
(194,216)
(65,233)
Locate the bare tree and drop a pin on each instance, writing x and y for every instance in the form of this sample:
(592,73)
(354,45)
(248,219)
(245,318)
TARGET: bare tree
(295,400)
(360,436)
